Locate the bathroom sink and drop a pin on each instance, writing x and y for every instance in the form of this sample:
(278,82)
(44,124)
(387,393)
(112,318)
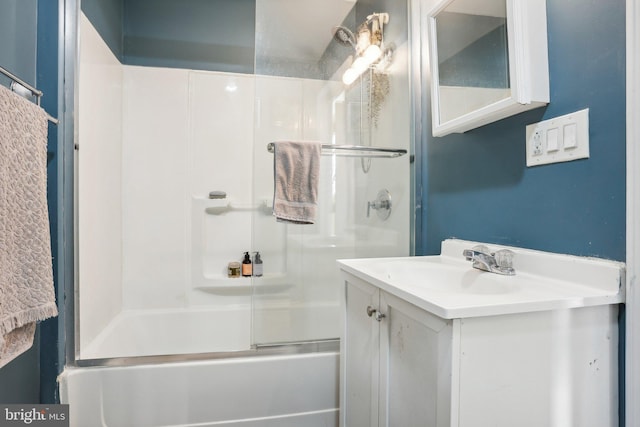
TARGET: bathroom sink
(448,286)
(432,274)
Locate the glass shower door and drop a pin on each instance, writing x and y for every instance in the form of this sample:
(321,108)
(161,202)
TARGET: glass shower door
(300,96)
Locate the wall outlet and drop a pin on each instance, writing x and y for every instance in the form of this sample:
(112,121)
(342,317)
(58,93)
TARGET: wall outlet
(561,139)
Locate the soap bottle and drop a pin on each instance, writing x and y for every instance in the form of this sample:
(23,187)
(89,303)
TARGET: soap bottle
(246,265)
(257,265)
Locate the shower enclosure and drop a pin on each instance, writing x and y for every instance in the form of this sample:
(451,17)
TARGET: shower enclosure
(153,247)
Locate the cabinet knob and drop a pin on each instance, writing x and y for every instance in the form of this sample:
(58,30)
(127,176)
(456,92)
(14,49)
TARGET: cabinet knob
(372,312)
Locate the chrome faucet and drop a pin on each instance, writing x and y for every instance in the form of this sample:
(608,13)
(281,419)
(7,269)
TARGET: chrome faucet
(499,262)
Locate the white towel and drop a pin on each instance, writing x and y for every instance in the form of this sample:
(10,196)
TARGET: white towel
(26,274)
(296,166)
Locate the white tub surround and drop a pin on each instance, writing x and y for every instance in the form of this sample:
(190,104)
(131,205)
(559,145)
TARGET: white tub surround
(99,181)
(267,391)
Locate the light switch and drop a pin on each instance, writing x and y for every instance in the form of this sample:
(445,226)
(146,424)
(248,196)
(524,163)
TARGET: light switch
(552,139)
(569,136)
(559,139)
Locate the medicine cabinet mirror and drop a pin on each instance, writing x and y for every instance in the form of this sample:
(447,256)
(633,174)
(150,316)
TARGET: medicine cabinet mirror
(488,61)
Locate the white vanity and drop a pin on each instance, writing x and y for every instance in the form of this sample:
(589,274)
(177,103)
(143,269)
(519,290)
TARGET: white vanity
(432,341)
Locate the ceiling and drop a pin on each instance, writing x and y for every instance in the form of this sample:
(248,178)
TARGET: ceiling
(299,29)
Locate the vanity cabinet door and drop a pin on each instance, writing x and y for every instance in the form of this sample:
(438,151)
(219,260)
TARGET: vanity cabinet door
(360,356)
(415,366)
(396,362)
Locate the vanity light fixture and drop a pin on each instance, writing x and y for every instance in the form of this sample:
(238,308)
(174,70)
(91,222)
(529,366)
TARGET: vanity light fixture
(369,46)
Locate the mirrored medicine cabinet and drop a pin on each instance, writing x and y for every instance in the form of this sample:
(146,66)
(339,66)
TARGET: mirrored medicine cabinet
(488,61)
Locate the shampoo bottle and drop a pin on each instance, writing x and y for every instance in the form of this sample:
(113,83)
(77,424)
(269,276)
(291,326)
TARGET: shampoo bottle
(257,265)
(246,265)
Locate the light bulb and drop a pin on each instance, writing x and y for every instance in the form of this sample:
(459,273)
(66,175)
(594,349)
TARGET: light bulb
(350,76)
(360,64)
(372,53)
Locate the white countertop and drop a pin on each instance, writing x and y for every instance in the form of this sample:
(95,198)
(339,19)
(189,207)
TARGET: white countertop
(448,286)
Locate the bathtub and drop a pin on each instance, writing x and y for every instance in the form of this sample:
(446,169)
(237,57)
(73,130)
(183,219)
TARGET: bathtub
(295,390)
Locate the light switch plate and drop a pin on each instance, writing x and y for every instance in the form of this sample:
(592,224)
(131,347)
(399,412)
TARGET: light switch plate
(561,139)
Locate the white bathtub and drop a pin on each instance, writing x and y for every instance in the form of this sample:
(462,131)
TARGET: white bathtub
(263,391)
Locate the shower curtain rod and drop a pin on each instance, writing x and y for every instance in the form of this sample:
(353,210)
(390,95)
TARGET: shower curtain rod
(355,150)
(35,92)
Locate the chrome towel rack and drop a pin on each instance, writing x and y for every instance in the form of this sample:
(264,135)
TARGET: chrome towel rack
(355,150)
(24,85)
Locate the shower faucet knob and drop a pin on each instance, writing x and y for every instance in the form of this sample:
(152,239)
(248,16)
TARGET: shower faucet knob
(382,204)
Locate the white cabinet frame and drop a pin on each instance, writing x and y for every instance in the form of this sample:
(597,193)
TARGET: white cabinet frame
(528,67)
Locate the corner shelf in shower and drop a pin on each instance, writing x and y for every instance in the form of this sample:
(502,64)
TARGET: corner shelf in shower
(354,150)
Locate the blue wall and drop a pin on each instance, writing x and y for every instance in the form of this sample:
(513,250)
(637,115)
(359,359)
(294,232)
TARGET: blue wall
(29,33)
(51,342)
(18,19)
(476,185)
(215,35)
(19,380)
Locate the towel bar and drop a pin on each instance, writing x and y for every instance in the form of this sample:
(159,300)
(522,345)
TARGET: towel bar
(18,85)
(355,150)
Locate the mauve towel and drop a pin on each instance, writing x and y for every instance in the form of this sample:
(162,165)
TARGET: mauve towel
(296,166)
(26,274)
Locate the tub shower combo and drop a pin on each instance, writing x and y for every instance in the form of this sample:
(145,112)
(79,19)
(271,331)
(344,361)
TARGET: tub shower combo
(175,181)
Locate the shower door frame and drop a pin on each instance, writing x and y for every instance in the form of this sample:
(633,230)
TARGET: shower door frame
(67,262)
(67,270)
(632,319)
